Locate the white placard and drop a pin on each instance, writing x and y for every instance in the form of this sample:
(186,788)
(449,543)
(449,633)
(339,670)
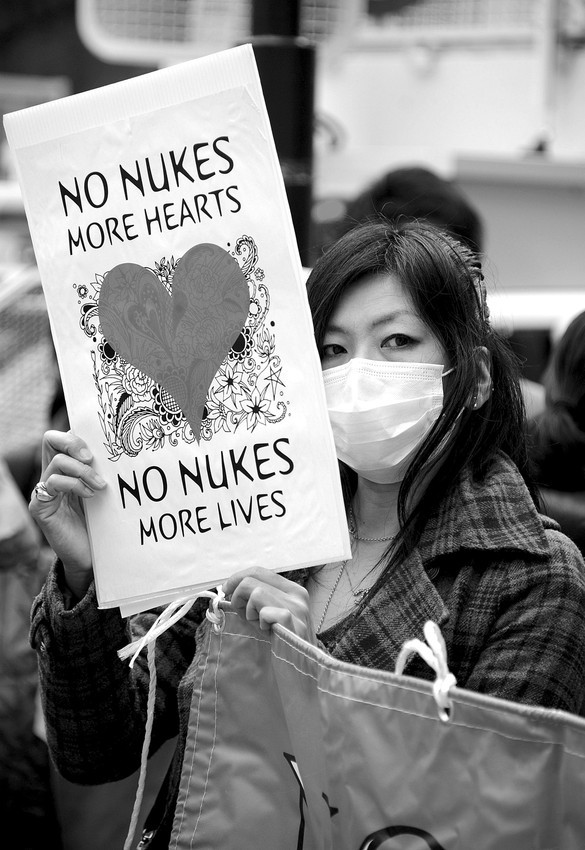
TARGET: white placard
(177,304)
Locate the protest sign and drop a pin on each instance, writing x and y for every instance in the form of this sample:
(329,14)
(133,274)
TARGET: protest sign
(178,310)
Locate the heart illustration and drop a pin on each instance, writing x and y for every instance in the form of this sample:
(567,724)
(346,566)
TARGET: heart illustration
(178,339)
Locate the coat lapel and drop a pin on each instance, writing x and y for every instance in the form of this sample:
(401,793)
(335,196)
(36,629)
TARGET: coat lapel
(397,613)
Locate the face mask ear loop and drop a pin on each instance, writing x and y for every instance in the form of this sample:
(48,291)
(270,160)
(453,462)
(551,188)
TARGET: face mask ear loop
(448,372)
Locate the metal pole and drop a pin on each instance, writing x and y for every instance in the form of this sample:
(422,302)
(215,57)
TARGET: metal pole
(286,65)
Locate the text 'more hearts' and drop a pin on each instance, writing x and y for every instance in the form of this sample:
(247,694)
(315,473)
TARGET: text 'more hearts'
(178,339)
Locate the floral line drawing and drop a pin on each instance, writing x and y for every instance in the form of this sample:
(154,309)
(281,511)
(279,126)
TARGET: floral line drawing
(248,390)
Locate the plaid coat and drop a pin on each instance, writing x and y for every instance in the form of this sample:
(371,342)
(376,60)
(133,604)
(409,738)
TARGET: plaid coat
(505,586)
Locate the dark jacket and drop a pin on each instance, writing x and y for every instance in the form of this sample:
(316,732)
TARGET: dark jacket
(505,586)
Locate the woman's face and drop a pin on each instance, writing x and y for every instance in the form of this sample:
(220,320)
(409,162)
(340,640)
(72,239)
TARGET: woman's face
(375,320)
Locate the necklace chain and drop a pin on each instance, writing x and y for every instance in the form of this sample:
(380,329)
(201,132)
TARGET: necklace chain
(354,533)
(358,592)
(330,597)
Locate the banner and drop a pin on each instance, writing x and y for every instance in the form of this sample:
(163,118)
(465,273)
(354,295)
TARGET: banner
(184,339)
(292,749)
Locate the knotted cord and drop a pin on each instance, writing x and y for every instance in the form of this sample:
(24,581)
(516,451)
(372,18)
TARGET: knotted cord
(173,612)
(434,652)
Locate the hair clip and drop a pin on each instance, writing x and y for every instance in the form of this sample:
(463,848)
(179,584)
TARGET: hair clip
(473,265)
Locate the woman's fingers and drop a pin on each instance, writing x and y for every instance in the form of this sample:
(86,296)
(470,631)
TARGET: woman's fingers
(64,442)
(66,475)
(269,616)
(66,471)
(67,478)
(261,574)
(63,485)
(262,596)
(254,590)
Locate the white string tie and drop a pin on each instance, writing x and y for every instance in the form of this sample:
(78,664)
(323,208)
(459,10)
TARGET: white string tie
(215,614)
(173,612)
(434,652)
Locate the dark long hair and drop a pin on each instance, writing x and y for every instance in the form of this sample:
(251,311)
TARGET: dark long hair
(444,281)
(558,433)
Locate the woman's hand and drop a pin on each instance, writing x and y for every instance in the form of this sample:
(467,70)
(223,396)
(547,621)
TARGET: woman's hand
(265,597)
(68,478)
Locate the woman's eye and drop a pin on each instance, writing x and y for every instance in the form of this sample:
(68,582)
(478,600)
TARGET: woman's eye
(397,341)
(333,349)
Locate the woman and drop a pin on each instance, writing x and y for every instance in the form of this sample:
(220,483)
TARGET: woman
(428,421)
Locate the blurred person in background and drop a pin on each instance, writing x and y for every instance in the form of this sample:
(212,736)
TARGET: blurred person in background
(417,192)
(27,810)
(557,434)
(408,192)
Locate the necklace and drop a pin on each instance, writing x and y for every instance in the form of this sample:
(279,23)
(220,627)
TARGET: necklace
(330,597)
(358,592)
(356,536)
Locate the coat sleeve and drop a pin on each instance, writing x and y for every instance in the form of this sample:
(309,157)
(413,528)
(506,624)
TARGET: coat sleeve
(94,704)
(534,651)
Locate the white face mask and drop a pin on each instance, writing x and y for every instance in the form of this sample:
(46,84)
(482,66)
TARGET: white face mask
(381,412)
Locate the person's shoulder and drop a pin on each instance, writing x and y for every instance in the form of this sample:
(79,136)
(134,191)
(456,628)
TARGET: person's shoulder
(556,577)
(564,554)
(498,477)
(567,508)
(501,466)
(560,585)
(550,585)
(498,506)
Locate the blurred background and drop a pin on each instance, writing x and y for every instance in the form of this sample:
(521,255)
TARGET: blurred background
(462,109)
(487,94)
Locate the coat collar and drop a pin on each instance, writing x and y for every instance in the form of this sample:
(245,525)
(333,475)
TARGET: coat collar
(397,613)
(495,513)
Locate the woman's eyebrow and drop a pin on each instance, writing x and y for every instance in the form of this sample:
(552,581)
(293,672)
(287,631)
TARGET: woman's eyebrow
(390,317)
(334,329)
(382,320)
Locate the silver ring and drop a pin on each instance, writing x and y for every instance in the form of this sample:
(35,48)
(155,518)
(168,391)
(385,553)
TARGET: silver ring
(42,493)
